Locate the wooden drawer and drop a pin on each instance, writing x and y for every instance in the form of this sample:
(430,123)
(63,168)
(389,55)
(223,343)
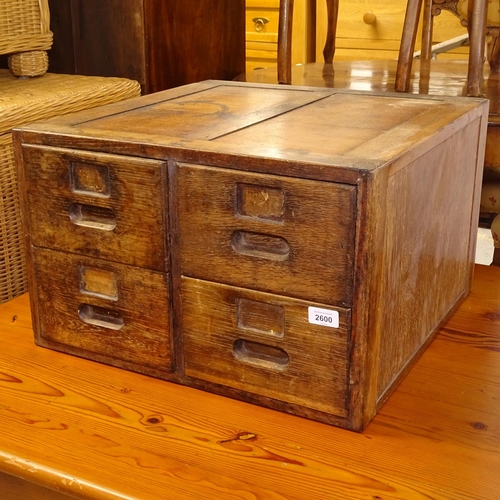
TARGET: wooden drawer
(262,20)
(277,234)
(264,344)
(361,36)
(115,311)
(261,55)
(100,205)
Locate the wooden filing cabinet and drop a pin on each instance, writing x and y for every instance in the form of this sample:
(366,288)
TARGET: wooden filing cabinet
(293,247)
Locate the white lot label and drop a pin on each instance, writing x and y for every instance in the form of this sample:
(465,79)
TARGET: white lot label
(323,317)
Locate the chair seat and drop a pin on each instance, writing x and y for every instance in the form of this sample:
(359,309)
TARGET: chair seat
(22,102)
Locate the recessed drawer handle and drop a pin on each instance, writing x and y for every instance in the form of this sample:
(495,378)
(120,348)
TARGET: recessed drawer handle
(99,316)
(92,216)
(262,355)
(260,245)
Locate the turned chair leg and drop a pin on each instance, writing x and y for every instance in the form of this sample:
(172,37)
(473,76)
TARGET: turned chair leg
(476,22)
(332,9)
(496,257)
(495,234)
(427,29)
(494,59)
(408,38)
(285,42)
(285,37)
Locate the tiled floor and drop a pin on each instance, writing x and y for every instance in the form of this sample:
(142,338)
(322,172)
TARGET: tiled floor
(484,249)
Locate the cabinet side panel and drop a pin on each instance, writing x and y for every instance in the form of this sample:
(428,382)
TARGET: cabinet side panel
(193,40)
(109,38)
(430,204)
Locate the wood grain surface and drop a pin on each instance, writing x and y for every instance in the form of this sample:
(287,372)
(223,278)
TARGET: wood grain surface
(239,246)
(161,44)
(298,363)
(132,326)
(96,432)
(95,210)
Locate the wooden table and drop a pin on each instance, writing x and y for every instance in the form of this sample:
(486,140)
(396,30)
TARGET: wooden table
(88,430)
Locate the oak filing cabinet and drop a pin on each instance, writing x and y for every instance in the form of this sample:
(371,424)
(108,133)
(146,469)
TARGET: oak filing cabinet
(293,247)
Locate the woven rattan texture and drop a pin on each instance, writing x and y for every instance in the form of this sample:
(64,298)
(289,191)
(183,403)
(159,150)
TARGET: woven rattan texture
(25,27)
(13,280)
(34,63)
(22,102)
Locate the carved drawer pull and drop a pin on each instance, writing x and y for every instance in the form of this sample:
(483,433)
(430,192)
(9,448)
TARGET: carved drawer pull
(369,18)
(260,23)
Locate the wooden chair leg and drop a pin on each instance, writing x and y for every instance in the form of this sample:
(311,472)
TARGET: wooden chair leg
(427,29)
(285,42)
(332,9)
(494,59)
(477,11)
(496,257)
(426,48)
(408,38)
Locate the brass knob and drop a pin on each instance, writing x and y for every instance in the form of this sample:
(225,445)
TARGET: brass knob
(369,17)
(260,23)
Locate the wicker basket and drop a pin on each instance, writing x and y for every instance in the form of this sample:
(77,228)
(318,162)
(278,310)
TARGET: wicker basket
(24,101)
(25,35)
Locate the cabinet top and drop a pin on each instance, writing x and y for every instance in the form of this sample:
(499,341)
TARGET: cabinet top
(335,128)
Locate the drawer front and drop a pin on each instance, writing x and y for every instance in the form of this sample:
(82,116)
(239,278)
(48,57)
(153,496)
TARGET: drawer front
(100,205)
(262,19)
(114,310)
(379,19)
(262,22)
(261,55)
(372,30)
(282,235)
(264,344)
(262,25)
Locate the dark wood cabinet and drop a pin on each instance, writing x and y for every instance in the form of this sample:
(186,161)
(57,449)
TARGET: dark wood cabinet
(160,43)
